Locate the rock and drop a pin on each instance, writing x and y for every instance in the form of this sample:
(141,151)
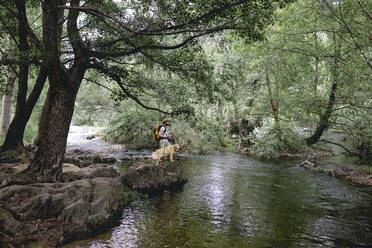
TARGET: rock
(84,160)
(335,170)
(152,179)
(129,158)
(19,155)
(72,172)
(88,200)
(12,226)
(91,136)
(6,170)
(75,151)
(104,172)
(57,213)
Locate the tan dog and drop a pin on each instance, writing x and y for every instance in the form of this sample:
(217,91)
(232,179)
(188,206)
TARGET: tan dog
(167,151)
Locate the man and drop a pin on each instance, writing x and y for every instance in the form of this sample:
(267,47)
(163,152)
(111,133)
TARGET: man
(163,134)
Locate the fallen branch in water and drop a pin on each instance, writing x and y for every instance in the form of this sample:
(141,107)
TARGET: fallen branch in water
(311,158)
(307,162)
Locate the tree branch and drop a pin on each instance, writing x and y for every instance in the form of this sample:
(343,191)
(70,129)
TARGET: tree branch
(339,19)
(334,143)
(96,83)
(10,32)
(73,31)
(117,79)
(138,49)
(365,10)
(211,13)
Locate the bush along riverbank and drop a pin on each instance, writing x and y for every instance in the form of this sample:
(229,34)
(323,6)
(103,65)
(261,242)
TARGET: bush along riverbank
(88,200)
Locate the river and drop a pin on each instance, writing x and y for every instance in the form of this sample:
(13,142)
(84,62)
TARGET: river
(232,200)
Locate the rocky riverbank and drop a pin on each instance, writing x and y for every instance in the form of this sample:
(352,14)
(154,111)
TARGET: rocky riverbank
(317,162)
(89,199)
(344,172)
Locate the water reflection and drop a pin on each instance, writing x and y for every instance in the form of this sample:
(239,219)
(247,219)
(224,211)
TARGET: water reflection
(215,193)
(234,201)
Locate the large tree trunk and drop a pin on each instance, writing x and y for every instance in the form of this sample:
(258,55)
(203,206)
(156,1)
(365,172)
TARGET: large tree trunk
(43,116)
(47,162)
(7,102)
(63,88)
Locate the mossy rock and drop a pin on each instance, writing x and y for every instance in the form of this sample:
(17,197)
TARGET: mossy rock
(19,155)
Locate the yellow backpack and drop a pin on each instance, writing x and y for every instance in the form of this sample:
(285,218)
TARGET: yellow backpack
(156,131)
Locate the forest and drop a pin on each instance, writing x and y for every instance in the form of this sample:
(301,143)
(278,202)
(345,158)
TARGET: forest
(273,80)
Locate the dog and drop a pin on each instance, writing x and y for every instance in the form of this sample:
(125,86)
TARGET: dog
(167,151)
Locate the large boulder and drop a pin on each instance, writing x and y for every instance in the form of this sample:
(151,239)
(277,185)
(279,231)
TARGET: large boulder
(87,201)
(146,177)
(59,212)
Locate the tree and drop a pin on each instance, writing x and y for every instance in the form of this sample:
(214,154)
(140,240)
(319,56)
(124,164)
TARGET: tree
(325,69)
(106,42)
(16,12)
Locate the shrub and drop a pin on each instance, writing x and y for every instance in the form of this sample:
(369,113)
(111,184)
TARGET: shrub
(135,127)
(275,139)
(203,138)
(359,136)
(132,127)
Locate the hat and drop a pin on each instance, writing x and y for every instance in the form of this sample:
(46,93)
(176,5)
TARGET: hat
(165,120)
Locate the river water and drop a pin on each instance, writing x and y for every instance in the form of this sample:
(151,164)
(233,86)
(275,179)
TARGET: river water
(232,200)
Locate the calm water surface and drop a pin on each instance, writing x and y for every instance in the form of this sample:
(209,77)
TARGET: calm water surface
(235,201)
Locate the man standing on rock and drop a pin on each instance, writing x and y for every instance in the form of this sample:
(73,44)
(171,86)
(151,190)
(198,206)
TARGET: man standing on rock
(163,134)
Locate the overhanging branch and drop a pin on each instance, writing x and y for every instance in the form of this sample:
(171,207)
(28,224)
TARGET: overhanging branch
(137,49)
(195,21)
(343,147)
(96,83)
(117,79)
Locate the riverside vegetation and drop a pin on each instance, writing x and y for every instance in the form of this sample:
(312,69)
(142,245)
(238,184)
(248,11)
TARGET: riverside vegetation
(272,79)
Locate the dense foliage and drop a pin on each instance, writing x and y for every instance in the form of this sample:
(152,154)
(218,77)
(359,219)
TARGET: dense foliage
(312,70)
(268,77)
